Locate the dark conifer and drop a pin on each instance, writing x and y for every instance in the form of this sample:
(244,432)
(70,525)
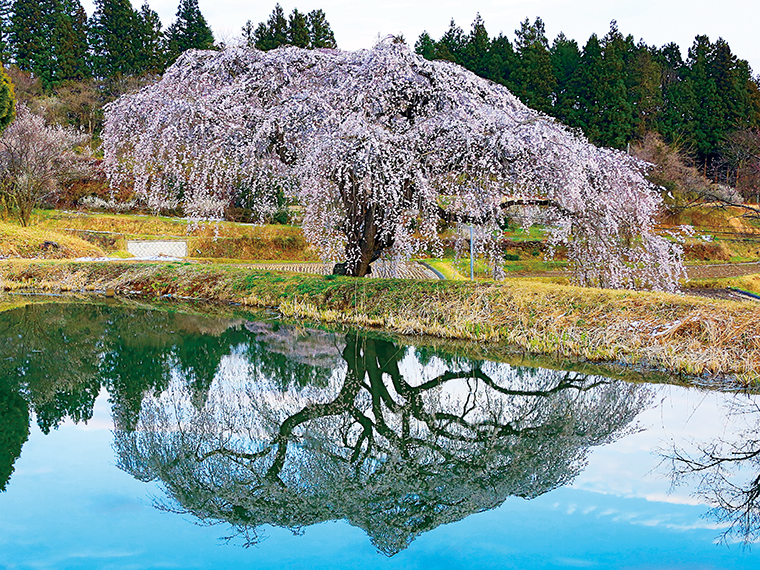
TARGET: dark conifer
(425,46)
(644,82)
(189,31)
(615,117)
(320,32)
(584,90)
(274,32)
(298,30)
(152,57)
(115,39)
(70,42)
(452,44)
(477,49)
(6,10)
(301,30)
(566,57)
(533,79)
(31,35)
(503,61)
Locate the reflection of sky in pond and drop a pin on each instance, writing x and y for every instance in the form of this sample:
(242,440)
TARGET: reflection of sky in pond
(68,506)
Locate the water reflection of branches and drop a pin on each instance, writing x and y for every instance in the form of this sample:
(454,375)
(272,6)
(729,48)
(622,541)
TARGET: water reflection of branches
(727,474)
(390,455)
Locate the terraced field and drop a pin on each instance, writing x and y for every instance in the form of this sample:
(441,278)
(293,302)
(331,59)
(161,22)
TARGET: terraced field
(380,269)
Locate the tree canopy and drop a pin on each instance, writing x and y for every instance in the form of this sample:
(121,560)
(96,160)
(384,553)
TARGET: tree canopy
(189,31)
(300,30)
(378,146)
(34,159)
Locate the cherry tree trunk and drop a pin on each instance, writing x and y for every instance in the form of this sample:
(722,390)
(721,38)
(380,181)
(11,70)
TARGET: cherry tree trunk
(364,244)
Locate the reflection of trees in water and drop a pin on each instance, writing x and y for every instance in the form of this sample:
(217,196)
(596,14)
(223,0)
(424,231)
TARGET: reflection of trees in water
(14,429)
(389,445)
(727,473)
(56,358)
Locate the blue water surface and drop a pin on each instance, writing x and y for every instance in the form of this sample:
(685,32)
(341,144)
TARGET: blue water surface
(69,507)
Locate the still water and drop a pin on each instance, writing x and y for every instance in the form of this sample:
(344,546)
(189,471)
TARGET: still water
(152,437)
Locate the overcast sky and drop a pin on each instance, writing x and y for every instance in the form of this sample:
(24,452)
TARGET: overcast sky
(358,24)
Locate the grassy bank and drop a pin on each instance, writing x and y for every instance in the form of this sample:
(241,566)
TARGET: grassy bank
(683,335)
(210,240)
(16,241)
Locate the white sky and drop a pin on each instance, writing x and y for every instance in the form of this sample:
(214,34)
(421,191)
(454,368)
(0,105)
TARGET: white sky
(357,24)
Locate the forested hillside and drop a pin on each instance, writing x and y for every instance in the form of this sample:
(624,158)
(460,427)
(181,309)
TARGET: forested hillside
(617,90)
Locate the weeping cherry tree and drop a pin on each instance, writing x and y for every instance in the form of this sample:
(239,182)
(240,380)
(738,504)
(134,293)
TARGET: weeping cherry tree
(379,146)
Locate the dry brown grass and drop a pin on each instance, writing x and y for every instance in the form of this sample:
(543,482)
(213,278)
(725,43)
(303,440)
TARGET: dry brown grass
(16,241)
(208,240)
(680,335)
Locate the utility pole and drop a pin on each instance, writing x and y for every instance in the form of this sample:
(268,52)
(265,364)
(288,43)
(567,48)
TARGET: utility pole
(472,258)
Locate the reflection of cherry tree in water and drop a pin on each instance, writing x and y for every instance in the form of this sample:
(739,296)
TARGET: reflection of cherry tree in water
(727,472)
(391,446)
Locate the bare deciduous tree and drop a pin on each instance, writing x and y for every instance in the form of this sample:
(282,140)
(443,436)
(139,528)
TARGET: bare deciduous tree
(741,151)
(727,472)
(34,159)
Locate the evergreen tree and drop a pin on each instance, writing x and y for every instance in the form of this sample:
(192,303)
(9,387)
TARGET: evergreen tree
(503,61)
(534,81)
(566,57)
(710,111)
(70,42)
(298,30)
(305,31)
(493,59)
(152,57)
(247,32)
(644,82)
(320,32)
(584,89)
(115,38)
(49,39)
(677,115)
(7,100)
(452,44)
(273,33)
(734,81)
(425,46)
(6,10)
(476,52)
(189,31)
(615,117)
(31,35)
(14,429)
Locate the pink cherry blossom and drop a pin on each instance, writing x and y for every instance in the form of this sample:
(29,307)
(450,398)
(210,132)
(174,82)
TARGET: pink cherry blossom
(377,146)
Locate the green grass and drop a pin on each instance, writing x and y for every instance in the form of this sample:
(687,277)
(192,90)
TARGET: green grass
(750,283)
(231,241)
(445,268)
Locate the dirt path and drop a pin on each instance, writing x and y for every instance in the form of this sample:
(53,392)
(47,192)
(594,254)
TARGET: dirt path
(719,270)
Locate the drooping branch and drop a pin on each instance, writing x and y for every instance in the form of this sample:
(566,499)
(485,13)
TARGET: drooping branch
(374,142)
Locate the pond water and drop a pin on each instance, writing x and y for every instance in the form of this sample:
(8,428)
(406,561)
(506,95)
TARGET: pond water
(139,437)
